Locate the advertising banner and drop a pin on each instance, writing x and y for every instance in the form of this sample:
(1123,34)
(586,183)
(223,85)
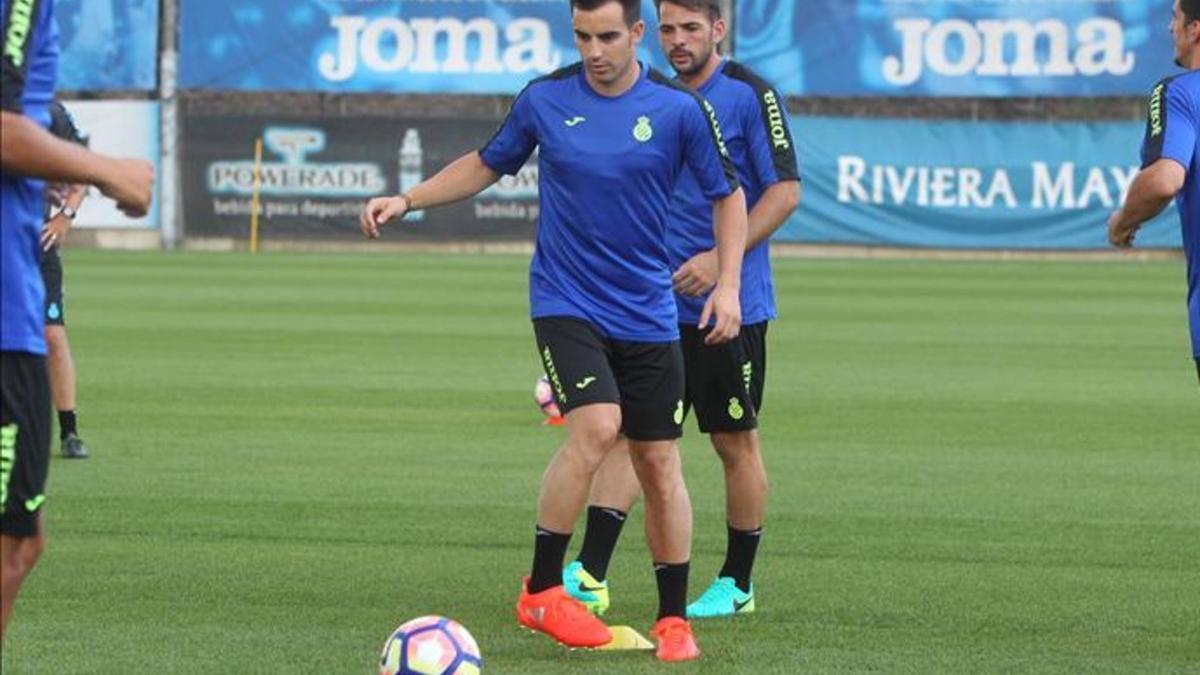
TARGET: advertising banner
(318,173)
(967,184)
(108,44)
(392,46)
(119,129)
(927,48)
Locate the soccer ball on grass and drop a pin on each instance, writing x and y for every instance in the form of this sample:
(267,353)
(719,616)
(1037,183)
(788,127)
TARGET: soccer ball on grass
(430,645)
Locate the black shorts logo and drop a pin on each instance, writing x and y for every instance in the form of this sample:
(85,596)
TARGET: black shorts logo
(8,457)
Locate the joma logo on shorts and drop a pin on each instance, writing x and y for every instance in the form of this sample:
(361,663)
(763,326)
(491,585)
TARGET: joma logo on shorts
(8,457)
(21,17)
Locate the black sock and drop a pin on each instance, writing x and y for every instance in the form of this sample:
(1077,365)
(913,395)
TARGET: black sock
(549,549)
(739,556)
(672,589)
(66,423)
(600,539)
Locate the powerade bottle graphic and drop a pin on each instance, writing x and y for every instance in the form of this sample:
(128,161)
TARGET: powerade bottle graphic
(410,167)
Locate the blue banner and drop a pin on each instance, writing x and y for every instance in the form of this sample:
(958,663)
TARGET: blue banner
(956,48)
(393,46)
(967,184)
(107,44)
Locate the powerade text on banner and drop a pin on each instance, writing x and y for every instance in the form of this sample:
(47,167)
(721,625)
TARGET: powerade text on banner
(393,46)
(956,48)
(1030,185)
(319,172)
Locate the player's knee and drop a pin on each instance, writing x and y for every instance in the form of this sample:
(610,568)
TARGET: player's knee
(736,449)
(658,471)
(31,551)
(21,558)
(596,437)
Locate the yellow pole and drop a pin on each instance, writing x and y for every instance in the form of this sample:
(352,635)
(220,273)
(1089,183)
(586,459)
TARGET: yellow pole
(254,196)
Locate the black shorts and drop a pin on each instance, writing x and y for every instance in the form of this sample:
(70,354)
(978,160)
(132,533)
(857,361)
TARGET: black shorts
(644,378)
(52,277)
(24,441)
(725,382)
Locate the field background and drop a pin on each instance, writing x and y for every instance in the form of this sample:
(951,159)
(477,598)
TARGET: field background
(976,467)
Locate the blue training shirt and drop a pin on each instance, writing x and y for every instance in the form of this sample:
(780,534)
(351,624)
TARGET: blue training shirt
(1173,132)
(28,68)
(754,122)
(607,167)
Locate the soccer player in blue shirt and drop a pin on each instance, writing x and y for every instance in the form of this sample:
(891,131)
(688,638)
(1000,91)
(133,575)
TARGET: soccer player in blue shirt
(29,154)
(1171,159)
(724,382)
(613,137)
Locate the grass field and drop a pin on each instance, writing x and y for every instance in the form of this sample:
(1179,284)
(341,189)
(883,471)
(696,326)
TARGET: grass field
(976,467)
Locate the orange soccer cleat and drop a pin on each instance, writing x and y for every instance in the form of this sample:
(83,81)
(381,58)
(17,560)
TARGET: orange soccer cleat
(560,616)
(675,640)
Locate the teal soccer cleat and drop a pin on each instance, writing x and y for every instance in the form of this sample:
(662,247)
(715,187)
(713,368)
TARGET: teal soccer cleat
(583,587)
(723,598)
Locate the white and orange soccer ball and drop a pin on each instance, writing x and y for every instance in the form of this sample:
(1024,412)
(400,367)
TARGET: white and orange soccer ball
(430,645)
(543,395)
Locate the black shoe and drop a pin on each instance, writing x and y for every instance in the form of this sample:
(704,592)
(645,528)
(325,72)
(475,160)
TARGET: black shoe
(73,447)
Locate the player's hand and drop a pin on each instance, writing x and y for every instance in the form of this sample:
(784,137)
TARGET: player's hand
(130,184)
(54,233)
(380,210)
(56,194)
(697,276)
(1121,237)
(725,308)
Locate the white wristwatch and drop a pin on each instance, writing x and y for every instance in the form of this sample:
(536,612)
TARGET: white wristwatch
(68,212)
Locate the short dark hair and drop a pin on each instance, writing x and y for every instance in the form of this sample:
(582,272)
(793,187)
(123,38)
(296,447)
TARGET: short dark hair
(710,7)
(632,8)
(1191,9)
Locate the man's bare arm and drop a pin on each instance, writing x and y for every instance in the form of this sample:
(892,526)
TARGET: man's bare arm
(29,150)
(724,304)
(773,209)
(698,275)
(462,178)
(1151,192)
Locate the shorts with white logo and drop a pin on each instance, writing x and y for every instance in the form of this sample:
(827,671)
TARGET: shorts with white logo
(725,382)
(585,367)
(52,277)
(24,441)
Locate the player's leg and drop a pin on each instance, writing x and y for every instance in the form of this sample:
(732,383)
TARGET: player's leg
(24,460)
(726,386)
(573,353)
(614,491)
(651,379)
(59,359)
(18,556)
(61,365)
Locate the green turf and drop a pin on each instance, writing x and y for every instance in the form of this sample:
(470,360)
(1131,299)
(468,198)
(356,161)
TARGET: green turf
(976,467)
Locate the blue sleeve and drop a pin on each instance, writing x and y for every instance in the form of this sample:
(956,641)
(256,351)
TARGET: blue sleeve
(772,150)
(705,153)
(1171,128)
(19,46)
(515,140)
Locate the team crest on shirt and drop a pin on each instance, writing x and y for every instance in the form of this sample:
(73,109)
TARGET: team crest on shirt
(643,132)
